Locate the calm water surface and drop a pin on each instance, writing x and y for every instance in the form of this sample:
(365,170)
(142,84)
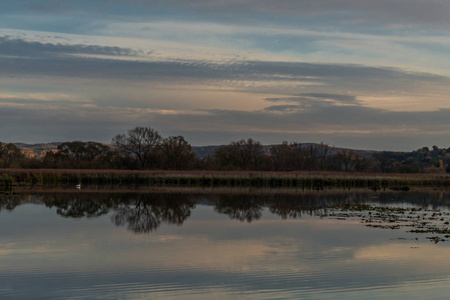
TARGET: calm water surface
(202,245)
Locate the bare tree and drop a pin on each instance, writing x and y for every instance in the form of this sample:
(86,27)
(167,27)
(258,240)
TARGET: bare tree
(140,142)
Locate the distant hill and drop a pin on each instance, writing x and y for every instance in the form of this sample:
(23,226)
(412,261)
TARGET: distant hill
(39,150)
(205,151)
(51,146)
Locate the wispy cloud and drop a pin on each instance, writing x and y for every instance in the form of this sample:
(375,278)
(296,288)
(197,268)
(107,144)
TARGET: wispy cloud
(68,60)
(356,72)
(15,47)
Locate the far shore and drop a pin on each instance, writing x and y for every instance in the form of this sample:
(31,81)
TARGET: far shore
(303,180)
(233,173)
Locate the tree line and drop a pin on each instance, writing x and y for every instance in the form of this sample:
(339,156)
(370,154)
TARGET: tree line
(145,149)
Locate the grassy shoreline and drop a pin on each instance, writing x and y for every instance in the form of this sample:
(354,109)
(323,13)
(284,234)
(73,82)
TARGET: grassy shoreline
(305,180)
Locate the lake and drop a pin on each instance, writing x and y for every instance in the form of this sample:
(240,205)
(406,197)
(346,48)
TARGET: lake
(224,244)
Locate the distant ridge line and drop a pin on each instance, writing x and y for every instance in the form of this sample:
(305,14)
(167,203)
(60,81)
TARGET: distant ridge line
(200,151)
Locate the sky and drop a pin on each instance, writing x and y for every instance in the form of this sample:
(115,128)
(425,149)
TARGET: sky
(360,74)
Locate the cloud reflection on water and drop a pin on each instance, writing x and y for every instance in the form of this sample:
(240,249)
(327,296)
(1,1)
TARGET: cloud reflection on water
(217,249)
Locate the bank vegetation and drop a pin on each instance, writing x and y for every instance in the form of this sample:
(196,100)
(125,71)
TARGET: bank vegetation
(143,156)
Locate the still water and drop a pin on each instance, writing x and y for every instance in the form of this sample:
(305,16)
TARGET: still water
(223,245)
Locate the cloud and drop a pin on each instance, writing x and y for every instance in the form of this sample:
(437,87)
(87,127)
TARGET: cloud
(68,61)
(332,123)
(299,7)
(430,12)
(347,99)
(348,125)
(332,118)
(282,108)
(313,101)
(15,47)
(308,100)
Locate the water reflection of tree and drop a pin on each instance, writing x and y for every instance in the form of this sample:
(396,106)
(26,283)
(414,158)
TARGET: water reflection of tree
(240,207)
(79,206)
(9,202)
(250,207)
(144,213)
(293,208)
(419,198)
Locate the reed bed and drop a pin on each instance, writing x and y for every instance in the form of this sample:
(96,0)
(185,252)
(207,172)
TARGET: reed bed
(300,180)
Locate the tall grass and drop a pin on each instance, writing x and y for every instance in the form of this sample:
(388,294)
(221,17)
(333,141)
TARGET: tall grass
(299,180)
